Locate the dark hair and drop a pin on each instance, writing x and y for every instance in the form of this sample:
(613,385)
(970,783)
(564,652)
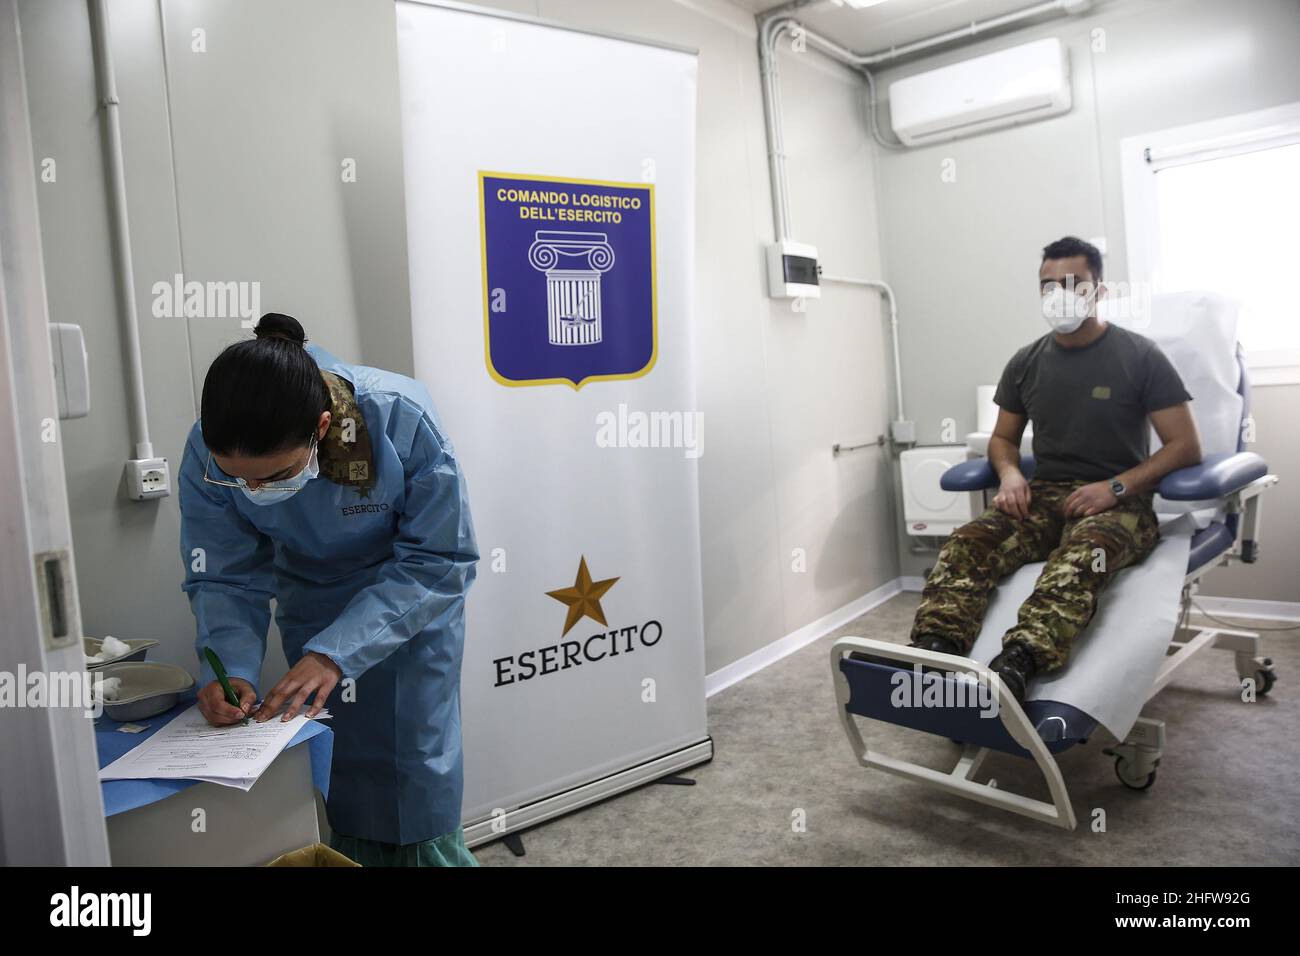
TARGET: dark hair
(1073,246)
(264,395)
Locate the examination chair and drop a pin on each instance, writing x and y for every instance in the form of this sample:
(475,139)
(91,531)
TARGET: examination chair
(1225,489)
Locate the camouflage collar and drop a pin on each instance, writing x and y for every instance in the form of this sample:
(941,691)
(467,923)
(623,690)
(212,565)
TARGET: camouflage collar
(344,453)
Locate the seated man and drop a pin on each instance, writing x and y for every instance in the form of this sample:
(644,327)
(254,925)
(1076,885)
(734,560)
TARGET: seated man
(1089,388)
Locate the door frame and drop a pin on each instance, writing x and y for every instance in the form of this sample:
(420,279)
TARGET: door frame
(51,805)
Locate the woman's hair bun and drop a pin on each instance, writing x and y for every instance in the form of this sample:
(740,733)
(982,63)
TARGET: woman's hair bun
(277,325)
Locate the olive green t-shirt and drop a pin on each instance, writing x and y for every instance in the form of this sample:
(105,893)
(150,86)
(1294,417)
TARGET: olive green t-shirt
(1089,405)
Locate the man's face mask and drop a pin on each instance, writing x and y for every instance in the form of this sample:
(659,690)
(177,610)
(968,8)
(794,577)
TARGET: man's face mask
(275,491)
(1065,309)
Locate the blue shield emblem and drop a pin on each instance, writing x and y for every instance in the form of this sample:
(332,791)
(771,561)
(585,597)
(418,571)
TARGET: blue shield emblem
(568,279)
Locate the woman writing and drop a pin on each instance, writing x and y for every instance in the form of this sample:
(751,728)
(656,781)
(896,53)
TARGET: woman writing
(332,488)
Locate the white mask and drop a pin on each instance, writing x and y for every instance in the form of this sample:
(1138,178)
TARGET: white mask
(1066,311)
(272,492)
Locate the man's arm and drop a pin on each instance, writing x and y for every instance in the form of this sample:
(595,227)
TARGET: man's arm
(1004,456)
(1181,447)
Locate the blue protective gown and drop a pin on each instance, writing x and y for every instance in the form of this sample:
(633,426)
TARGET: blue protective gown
(376,583)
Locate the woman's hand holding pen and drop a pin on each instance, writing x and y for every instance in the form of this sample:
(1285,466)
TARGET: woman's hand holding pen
(218,711)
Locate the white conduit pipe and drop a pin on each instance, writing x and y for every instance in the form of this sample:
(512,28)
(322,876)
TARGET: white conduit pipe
(772,26)
(769,33)
(893,331)
(106,83)
(974,28)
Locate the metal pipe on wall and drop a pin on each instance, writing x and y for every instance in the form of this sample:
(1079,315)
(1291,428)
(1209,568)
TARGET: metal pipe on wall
(769,32)
(885,288)
(972,29)
(774,24)
(106,86)
(777,22)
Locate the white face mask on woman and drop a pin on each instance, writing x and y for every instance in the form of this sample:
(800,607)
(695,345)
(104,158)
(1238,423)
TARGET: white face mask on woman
(274,491)
(1064,310)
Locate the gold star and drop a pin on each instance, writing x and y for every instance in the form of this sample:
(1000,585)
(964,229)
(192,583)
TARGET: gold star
(583,599)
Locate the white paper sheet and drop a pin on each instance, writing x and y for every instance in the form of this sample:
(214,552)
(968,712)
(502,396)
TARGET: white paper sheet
(1114,661)
(189,748)
(1197,332)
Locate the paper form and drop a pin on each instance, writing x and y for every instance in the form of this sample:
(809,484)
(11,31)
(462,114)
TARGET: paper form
(189,748)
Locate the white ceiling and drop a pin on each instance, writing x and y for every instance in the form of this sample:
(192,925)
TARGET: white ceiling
(893,22)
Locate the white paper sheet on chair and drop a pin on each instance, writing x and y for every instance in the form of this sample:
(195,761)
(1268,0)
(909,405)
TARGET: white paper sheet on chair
(1197,331)
(1115,660)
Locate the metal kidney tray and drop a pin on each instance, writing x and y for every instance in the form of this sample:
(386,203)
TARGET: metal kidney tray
(139,650)
(147,689)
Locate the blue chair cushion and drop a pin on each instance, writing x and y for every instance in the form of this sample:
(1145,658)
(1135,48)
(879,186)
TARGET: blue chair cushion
(1215,477)
(977,474)
(872,686)
(1207,544)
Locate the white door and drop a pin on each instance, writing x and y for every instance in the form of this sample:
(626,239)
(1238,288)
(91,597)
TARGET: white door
(51,811)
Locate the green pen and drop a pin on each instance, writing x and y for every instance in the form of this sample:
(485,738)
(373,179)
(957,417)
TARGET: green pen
(217,668)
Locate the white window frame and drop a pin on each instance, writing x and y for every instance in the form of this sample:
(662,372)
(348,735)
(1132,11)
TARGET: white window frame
(1141,157)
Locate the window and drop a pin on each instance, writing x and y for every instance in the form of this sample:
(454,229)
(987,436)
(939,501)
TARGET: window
(1216,206)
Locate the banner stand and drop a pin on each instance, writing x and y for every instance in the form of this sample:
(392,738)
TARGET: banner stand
(550,202)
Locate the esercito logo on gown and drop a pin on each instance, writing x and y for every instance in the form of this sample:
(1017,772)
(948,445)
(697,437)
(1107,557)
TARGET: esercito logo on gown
(569,292)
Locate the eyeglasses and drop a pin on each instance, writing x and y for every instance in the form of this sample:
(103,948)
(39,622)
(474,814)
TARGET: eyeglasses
(264,486)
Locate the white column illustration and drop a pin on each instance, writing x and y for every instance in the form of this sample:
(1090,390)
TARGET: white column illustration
(572,294)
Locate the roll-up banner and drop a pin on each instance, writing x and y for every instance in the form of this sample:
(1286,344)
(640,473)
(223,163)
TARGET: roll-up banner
(549,181)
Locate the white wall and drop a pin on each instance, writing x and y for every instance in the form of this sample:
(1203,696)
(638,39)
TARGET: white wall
(128,558)
(259,124)
(963,256)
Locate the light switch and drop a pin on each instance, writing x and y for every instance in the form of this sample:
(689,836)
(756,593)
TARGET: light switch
(71,370)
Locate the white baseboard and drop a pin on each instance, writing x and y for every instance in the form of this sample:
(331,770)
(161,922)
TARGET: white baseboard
(1249,607)
(912,582)
(750,664)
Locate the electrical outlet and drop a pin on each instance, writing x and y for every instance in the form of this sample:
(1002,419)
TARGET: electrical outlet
(903,432)
(148,478)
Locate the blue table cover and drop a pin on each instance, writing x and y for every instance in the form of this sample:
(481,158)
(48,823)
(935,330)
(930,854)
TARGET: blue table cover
(123,795)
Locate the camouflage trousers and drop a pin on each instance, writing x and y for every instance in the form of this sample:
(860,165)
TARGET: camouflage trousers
(1082,555)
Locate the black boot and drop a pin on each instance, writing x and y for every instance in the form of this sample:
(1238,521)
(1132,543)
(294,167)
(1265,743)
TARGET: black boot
(939,644)
(1016,666)
(929,642)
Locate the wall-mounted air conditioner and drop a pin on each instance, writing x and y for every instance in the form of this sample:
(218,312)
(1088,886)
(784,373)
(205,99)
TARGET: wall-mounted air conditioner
(1024,83)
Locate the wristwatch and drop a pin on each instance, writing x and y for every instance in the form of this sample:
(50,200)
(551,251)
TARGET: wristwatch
(1117,488)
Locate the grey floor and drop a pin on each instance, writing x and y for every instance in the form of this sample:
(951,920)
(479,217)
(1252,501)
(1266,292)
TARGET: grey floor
(1227,793)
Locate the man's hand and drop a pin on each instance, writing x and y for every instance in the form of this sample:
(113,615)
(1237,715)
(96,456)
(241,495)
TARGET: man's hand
(1090,499)
(1013,497)
(212,702)
(314,674)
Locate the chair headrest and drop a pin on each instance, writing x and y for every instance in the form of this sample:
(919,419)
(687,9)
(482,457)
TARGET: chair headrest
(1198,333)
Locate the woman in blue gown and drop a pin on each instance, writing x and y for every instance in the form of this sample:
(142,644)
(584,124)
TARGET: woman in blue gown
(333,489)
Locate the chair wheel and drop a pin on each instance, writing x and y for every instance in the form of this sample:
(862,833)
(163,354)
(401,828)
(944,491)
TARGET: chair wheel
(1124,770)
(1264,681)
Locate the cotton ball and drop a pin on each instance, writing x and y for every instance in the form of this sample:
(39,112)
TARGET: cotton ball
(110,688)
(114,648)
